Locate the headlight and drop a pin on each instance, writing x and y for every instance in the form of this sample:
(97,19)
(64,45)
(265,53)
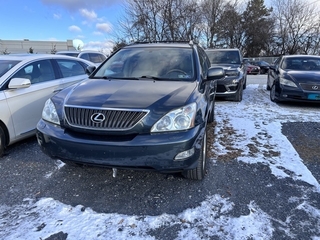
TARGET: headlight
(49,113)
(176,120)
(287,82)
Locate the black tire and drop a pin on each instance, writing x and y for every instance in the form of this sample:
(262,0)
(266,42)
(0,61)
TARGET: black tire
(199,172)
(238,96)
(268,79)
(245,83)
(2,142)
(273,97)
(211,113)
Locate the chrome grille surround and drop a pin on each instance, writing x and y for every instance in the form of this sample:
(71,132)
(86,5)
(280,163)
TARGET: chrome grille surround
(114,119)
(310,86)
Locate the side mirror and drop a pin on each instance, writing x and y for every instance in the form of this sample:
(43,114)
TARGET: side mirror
(215,73)
(16,83)
(90,69)
(272,67)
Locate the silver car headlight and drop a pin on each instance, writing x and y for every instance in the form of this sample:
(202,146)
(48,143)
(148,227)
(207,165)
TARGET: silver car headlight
(177,120)
(49,113)
(287,82)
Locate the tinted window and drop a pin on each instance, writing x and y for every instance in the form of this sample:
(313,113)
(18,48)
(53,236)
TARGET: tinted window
(96,57)
(166,63)
(39,71)
(85,56)
(203,62)
(70,68)
(6,65)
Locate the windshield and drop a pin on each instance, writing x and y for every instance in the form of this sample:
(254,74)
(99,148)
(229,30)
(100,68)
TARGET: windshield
(6,65)
(154,63)
(226,57)
(301,64)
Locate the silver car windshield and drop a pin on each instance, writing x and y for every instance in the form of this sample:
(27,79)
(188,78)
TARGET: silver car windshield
(153,63)
(6,65)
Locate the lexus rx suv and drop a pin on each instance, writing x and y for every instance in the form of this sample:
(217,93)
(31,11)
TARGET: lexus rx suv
(146,107)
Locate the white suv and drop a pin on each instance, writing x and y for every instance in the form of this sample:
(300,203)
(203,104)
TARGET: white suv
(93,56)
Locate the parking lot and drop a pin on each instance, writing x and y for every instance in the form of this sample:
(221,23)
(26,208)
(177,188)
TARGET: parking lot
(262,183)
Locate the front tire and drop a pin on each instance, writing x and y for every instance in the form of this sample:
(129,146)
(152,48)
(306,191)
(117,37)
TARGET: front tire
(211,113)
(2,142)
(199,172)
(273,97)
(238,96)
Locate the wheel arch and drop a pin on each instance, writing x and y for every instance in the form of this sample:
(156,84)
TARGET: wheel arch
(6,132)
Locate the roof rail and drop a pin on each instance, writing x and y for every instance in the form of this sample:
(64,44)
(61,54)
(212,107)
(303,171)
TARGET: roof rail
(168,41)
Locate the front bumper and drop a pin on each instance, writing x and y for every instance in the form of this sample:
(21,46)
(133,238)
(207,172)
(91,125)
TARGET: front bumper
(149,151)
(228,87)
(290,94)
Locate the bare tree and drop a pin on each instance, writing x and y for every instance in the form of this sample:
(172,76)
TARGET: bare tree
(211,14)
(297,27)
(167,20)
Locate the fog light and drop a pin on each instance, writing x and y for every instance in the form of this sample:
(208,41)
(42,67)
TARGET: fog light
(284,95)
(185,154)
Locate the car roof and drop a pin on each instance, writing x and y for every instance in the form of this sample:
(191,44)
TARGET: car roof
(301,55)
(68,51)
(161,44)
(222,49)
(30,56)
(83,51)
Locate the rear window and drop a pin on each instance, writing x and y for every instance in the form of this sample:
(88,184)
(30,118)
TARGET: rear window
(6,65)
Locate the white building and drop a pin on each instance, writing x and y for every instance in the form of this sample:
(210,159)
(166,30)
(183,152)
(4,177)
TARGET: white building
(28,46)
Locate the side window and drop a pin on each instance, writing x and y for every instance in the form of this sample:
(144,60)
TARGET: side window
(70,68)
(203,61)
(96,57)
(85,56)
(40,71)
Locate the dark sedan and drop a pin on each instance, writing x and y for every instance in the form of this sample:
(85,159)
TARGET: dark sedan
(146,107)
(295,78)
(264,66)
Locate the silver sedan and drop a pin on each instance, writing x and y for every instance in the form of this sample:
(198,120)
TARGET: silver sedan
(26,82)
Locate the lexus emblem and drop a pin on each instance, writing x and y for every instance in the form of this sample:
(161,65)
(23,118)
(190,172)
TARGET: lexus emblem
(315,87)
(97,118)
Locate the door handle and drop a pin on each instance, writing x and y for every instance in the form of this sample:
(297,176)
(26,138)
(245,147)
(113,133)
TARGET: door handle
(57,90)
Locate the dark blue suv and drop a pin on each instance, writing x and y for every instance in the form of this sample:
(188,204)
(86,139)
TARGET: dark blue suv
(146,107)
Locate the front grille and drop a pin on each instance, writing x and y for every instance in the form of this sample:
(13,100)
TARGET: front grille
(111,119)
(310,86)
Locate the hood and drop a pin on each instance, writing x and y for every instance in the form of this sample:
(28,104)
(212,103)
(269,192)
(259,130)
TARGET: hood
(226,66)
(305,76)
(137,94)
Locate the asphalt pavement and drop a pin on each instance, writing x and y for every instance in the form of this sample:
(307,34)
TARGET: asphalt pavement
(26,173)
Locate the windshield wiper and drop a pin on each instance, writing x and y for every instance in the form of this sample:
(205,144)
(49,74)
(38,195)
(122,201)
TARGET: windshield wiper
(151,77)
